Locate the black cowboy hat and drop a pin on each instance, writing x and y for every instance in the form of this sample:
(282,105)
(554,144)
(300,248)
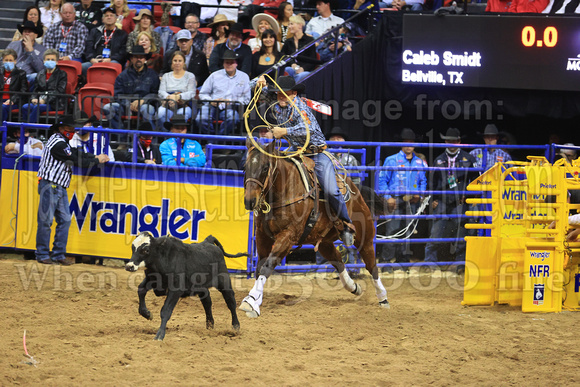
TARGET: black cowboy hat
(82,118)
(178,119)
(407,134)
(490,130)
(30,26)
(139,50)
(451,134)
(63,121)
(333,3)
(288,84)
(237,27)
(146,127)
(337,131)
(229,54)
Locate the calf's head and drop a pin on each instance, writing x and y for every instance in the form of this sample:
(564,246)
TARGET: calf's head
(140,248)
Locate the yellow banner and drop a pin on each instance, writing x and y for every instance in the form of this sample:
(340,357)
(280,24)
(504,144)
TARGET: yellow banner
(107,214)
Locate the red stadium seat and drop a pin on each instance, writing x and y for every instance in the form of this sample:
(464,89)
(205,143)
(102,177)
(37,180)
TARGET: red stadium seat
(92,98)
(175,29)
(205,30)
(104,73)
(73,70)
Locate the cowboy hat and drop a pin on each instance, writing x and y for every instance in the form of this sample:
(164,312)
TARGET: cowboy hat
(451,134)
(30,26)
(490,130)
(264,16)
(285,83)
(237,27)
(178,119)
(144,11)
(145,127)
(139,50)
(220,19)
(64,121)
(337,131)
(408,134)
(229,54)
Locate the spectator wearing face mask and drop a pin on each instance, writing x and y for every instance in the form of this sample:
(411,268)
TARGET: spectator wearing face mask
(90,142)
(147,152)
(49,87)
(32,146)
(12,80)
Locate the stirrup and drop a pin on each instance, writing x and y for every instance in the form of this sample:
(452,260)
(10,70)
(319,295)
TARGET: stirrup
(347,234)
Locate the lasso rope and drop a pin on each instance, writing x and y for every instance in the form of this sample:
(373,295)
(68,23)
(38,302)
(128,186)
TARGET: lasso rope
(254,105)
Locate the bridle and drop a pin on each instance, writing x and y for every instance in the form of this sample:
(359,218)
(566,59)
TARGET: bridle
(264,187)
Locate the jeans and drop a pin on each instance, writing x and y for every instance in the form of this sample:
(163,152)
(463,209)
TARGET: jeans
(114,110)
(164,114)
(207,114)
(448,228)
(298,77)
(324,169)
(53,205)
(32,116)
(6,112)
(401,251)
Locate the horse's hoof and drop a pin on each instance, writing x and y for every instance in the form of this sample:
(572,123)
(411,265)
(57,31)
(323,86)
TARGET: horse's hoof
(358,290)
(251,312)
(385,304)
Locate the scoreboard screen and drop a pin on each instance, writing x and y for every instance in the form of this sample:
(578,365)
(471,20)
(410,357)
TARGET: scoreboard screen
(517,52)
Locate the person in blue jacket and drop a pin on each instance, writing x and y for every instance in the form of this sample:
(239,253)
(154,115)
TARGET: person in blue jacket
(401,199)
(192,154)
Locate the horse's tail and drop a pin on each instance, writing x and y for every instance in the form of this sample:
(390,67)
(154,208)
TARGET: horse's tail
(213,240)
(377,204)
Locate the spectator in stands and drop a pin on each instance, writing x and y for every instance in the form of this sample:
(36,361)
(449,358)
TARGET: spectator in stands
(568,154)
(68,36)
(89,142)
(106,43)
(50,15)
(198,38)
(269,4)
(494,155)
(125,16)
(31,14)
(145,23)
(453,179)
(195,61)
(268,54)
(50,82)
(229,85)
(262,22)
(218,33)
(285,12)
(12,80)
(134,88)
(191,153)
(54,174)
(306,62)
(32,146)
(177,89)
(232,13)
(326,49)
(88,13)
(29,52)
(147,152)
(164,31)
(527,6)
(155,61)
(236,36)
(400,201)
(325,19)
(413,5)
(346,159)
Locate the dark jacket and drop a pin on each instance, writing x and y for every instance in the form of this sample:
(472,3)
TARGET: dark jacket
(18,83)
(46,90)
(290,48)
(96,43)
(439,180)
(88,16)
(142,155)
(244,61)
(143,85)
(197,65)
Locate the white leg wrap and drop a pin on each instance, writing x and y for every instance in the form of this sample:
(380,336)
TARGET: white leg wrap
(347,282)
(251,303)
(380,289)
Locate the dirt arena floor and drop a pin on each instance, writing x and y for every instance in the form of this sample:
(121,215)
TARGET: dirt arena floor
(83,328)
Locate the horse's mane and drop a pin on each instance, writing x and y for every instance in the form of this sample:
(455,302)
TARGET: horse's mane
(377,204)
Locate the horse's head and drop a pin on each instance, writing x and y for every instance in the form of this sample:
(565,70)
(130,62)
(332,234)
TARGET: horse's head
(257,171)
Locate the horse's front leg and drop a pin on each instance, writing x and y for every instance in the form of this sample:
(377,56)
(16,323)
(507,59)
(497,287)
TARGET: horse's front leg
(251,303)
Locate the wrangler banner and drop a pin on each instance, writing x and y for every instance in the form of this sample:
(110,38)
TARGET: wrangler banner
(112,205)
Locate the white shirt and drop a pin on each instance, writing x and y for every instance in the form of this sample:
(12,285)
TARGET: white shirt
(76,142)
(49,17)
(28,147)
(206,12)
(320,25)
(232,13)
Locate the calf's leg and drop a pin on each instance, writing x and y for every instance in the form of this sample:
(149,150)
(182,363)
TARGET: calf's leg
(206,302)
(142,292)
(166,311)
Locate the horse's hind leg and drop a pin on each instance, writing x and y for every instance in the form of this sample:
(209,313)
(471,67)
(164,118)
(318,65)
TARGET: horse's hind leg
(332,255)
(367,253)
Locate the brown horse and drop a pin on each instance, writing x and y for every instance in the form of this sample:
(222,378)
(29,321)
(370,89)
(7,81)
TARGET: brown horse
(276,192)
